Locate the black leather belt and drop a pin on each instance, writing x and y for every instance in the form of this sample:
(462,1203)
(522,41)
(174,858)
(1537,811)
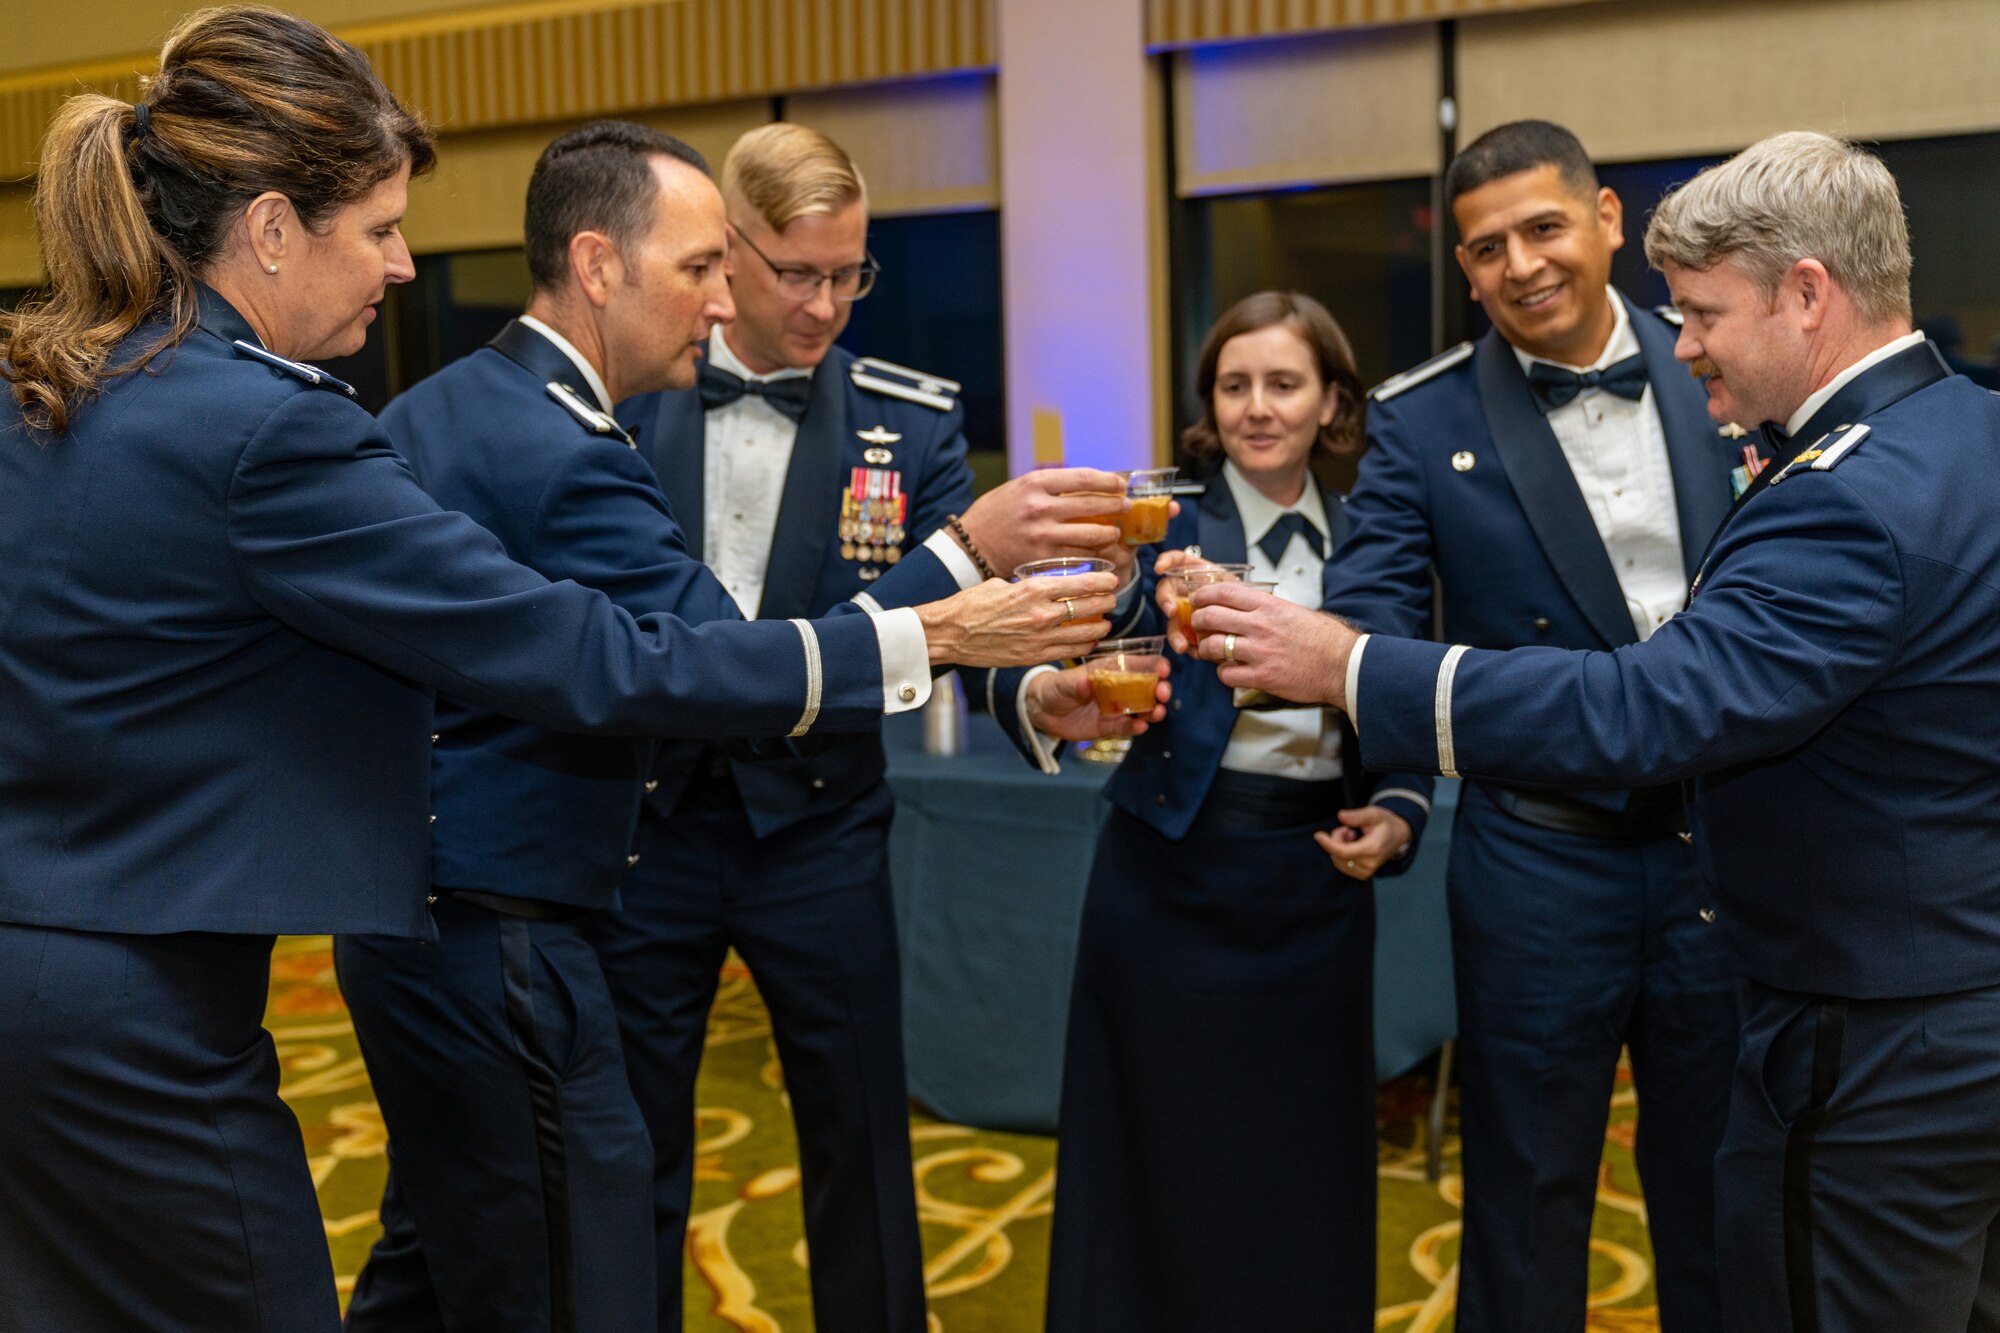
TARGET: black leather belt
(1652,812)
(712,785)
(1264,802)
(529,909)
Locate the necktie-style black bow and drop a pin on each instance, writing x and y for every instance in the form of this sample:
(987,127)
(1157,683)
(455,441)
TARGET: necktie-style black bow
(1273,543)
(1554,387)
(719,388)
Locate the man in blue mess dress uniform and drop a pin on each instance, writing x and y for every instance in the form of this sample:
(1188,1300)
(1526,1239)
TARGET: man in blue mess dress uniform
(1560,478)
(805,477)
(1831,699)
(521,1190)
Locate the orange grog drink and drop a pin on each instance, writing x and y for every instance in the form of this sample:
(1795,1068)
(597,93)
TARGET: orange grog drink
(1146,521)
(1123,674)
(1124,691)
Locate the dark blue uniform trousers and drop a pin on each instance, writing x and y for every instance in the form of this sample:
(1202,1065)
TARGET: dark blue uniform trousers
(518,1197)
(1566,947)
(1860,1177)
(150,1178)
(1216,1164)
(810,911)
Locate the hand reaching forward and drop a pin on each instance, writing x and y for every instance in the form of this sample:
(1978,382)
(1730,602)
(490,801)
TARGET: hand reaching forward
(1043,514)
(1367,839)
(1166,593)
(1060,704)
(1266,643)
(996,624)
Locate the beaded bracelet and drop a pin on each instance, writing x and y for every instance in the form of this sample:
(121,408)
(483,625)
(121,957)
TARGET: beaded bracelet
(986,571)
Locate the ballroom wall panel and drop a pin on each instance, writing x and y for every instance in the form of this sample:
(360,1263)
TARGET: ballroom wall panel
(1675,78)
(1342,107)
(928,146)
(473,200)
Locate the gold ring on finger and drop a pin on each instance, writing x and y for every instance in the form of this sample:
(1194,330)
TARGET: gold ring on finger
(1229,647)
(1069,609)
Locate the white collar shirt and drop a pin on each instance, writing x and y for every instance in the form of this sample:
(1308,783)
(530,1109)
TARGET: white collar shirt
(747,450)
(1617,450)
(1298,743)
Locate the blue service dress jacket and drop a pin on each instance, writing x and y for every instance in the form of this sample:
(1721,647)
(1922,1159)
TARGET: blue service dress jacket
(1167,773)
(522,809)
(1459,446)
(225,605)
(1831,694)
(864,417)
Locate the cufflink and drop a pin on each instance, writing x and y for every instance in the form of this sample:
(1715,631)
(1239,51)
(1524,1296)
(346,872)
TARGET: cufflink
(907,693)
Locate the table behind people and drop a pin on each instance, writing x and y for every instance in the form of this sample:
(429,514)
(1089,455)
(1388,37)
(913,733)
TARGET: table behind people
(1559,479)
(1832,691)
(228,605)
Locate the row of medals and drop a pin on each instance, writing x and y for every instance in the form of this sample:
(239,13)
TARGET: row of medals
(872,529)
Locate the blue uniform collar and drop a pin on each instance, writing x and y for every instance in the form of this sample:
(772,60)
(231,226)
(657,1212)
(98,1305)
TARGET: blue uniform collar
(534,353)
(217,316)
(1880,386)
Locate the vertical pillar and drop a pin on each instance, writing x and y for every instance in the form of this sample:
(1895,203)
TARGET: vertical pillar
(1081,233)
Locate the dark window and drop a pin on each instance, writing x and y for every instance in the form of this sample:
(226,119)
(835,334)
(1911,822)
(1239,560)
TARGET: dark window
(936,308)
(1361,250)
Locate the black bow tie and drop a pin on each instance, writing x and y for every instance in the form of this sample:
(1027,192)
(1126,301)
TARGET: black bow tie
(719,388)
(1274,542)
(1555,386)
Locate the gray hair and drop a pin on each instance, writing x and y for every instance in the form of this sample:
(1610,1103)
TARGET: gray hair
(1790,197)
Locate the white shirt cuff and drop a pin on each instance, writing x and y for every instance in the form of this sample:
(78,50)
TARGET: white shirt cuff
(955,559)
(1042,747)
(1354,682)
(906,659)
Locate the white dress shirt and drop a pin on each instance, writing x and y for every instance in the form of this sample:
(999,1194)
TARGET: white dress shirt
(1617,450)
(746,453)
(1298,743)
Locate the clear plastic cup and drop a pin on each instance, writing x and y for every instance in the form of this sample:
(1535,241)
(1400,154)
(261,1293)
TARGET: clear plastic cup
(1065,567)
(1124,674)
(1189,577)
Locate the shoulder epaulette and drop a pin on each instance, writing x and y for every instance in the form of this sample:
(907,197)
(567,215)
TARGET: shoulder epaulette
(312,375)
(1824,456)
(1416,375)
(1669,314)
(594,421)
(868,372)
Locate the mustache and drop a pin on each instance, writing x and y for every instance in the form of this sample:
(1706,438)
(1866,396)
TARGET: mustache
(1704,369)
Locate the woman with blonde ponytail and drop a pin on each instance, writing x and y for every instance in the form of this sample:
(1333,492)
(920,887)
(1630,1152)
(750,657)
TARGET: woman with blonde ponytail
(225,609)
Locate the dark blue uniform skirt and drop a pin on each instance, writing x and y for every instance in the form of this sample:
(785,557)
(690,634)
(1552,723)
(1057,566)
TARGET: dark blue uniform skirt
(1217,1159)
(150,1178)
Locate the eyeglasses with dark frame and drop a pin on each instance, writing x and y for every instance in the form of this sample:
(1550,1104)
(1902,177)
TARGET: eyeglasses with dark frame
(801,283)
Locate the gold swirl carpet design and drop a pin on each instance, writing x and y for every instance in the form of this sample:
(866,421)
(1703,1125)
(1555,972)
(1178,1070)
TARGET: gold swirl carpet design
(984,1198)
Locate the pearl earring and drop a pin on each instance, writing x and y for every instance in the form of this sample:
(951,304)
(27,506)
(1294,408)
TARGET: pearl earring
(270,268)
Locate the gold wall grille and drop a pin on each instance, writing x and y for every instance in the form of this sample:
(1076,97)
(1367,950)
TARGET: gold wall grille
(1177,23)
(557,63)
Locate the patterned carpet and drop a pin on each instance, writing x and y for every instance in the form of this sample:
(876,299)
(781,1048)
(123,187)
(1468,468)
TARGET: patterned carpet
(984,1197)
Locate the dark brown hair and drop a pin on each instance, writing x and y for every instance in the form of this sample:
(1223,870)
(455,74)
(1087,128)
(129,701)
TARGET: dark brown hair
(1320,332)
(598,177)
(134,202)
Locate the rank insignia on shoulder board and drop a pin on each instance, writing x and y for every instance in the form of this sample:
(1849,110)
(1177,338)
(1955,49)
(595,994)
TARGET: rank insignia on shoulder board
(901,382)
(873,514)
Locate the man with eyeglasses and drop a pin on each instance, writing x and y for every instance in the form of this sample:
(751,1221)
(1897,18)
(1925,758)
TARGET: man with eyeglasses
(801,474)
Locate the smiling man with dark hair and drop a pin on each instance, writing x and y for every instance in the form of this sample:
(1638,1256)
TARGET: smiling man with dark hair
(1561,480)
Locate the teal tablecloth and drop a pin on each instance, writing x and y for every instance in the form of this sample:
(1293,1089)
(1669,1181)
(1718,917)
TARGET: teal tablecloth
(990,858)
